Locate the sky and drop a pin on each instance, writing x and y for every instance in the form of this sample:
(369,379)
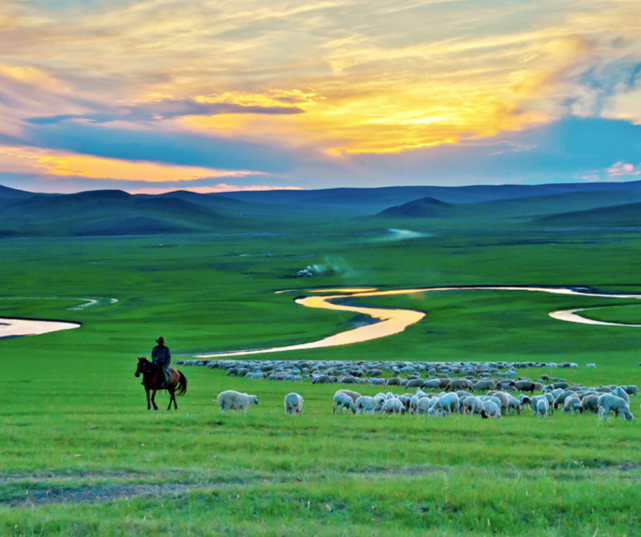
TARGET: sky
(211,96)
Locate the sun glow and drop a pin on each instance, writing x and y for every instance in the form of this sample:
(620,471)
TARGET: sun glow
(55,163)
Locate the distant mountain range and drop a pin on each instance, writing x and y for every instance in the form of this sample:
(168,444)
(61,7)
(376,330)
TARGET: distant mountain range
(114,212)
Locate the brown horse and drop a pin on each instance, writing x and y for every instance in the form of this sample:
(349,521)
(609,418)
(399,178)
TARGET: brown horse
(152,378)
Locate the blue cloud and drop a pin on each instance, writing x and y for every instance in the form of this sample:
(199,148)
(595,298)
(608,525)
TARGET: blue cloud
(160,146)
(166,109)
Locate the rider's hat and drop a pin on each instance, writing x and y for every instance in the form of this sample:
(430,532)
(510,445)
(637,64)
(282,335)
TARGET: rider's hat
(160,340)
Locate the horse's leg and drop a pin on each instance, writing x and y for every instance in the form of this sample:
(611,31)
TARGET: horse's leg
(153,399)
(172,397)
(148,400)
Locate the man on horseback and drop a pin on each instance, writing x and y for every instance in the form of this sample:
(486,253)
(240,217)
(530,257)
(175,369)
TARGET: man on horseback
(161,357)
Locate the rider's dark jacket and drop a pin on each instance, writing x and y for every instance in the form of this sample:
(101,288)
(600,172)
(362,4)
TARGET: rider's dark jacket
(162,357)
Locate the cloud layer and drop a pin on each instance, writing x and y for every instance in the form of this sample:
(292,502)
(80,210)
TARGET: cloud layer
(324,93)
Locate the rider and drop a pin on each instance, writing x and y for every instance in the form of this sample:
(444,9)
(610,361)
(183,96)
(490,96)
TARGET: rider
(161,357)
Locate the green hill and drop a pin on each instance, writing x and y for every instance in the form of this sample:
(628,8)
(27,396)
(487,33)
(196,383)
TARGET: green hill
(422,208)
(110,212)
(626,215)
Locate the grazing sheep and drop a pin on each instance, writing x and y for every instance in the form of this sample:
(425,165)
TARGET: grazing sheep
(393,406)
(353,395)
(449,402)
(525,386)
(474,405)
(424,405)
(611,403)
(492,410)
(233,400)
(483,385)
(631,389)
(542,407)
(293,403)
(322,379)
(620,392)
(366,404)
(571,405)
(513,404)
(414,383)
(343,401)
(590,403)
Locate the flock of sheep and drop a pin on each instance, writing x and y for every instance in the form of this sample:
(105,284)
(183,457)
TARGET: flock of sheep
(455,395)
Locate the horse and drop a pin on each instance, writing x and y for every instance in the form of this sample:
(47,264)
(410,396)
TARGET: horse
(152,378)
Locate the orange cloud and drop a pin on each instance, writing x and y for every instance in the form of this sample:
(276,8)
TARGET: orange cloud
(58,163)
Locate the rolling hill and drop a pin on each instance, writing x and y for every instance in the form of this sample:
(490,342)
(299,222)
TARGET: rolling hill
(110,212)
(114,212)
(421,208)
(626,215)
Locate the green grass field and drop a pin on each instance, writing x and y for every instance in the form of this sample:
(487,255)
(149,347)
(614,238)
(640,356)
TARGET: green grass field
(81,455)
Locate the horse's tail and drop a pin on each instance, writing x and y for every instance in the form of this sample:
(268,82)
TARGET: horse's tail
(182,384)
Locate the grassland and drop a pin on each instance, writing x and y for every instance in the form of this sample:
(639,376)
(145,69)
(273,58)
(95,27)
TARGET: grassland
(81,455)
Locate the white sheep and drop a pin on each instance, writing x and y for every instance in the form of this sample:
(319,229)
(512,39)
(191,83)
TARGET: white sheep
(367,404)
(393,406)
(293,403)
(611,403)
(424,404)
(571,405)
(542,407)
(474,405)
(343,401)
(492,410)
(620,392)
(448,401)
(233,400)
(513,404)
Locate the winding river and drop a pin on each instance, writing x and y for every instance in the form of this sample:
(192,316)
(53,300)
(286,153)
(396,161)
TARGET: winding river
(387,322)
(12,327)
(384,321)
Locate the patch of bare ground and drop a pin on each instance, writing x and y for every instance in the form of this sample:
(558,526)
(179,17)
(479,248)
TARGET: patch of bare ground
(92,494)
(21,490)
(403,470)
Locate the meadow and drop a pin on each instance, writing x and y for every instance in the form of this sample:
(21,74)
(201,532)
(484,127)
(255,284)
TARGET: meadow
(81,455)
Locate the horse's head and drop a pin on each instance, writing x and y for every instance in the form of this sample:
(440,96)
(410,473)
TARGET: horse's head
(143,366)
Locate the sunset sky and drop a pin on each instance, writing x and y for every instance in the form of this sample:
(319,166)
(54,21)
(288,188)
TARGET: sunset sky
(213,95)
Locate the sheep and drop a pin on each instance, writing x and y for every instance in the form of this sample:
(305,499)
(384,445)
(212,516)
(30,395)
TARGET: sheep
(423,405)
(414,383)
(590,403)
(367,404)
(612,403)
(571,405)
(474,405)
(524,399)
(542,407)
(525,386)
(620,392)
(293,403)
(513,404)
(322,379)
(492,410)
(343,401)
(449,402)
(630,389)
(393,406)
(233,400)
(353,395)
(534,401)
